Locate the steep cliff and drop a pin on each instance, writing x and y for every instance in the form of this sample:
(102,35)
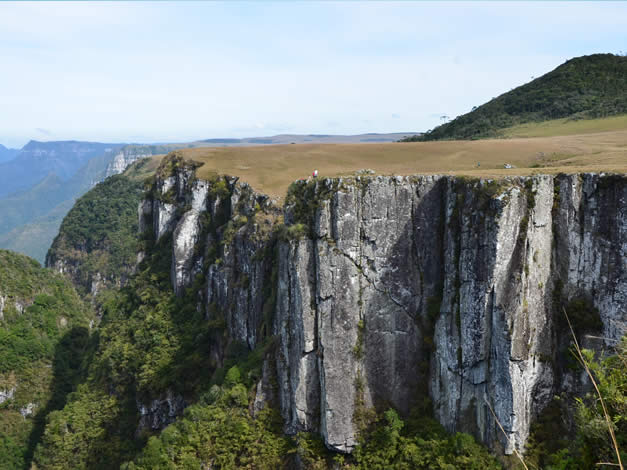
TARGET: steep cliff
(388,287)
(359,294)
(222,229)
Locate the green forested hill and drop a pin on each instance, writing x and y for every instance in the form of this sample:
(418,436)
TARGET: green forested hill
(97,241)
(584,87)
(44,333)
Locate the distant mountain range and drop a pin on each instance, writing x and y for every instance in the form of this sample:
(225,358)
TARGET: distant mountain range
(308,139)
(40,182)
(7,154)
(37,160)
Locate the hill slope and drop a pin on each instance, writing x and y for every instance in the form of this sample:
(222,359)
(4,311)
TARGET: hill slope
(97,241)
(30,219)
(584,87)
(43,335)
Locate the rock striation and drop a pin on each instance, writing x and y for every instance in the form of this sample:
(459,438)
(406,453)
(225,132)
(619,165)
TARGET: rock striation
(379,290)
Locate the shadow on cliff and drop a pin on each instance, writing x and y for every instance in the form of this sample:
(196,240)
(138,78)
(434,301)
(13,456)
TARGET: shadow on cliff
(401,380)
(67,372)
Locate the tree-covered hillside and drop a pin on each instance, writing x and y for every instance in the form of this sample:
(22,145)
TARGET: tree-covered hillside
(44,334)
(97,241)
(584,87)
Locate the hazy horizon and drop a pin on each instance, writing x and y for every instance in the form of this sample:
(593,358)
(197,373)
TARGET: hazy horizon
(164,72)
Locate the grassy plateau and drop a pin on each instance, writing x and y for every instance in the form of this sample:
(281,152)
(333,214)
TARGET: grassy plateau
(271,168)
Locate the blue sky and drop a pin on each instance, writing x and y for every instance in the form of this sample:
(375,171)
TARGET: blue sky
(161,71)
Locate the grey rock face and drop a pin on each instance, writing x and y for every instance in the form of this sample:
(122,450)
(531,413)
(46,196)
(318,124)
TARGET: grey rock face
(296,326)
(219,228)
(590,233)
(160,412)
(469,265)
(388,287)
(265,393)
(186,237)
(7,394)
(28,410)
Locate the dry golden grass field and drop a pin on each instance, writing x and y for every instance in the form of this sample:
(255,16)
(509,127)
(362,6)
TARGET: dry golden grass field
(271,168)
(567,126)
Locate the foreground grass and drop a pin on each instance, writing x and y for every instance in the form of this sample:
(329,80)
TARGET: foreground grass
(567,126)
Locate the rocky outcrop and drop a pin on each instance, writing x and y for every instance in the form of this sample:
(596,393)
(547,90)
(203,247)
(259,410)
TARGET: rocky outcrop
(379,289)
(7,394)
(220,233)
(159,412)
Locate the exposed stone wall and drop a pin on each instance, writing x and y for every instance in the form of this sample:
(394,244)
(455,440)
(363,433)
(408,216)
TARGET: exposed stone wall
(405,285)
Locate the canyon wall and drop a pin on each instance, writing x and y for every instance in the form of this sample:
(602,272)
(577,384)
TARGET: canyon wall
(382,290)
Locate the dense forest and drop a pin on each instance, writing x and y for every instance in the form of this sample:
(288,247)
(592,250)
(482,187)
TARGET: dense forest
(584,87)
(44,339)
(97,242)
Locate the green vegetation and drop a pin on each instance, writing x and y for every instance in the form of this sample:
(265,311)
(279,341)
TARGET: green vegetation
(582,88)
(390,442)
(43,337)
(219,434)
(31,218)
(566,126)
(150,341)
(99,234)
(553,446)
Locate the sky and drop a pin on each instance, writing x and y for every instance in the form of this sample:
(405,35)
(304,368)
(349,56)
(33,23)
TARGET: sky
(166,72)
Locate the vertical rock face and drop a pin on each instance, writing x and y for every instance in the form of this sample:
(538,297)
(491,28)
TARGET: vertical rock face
(219,231)
(456,274)
(186,236)
(591,233)
(494,317)
(385,288)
